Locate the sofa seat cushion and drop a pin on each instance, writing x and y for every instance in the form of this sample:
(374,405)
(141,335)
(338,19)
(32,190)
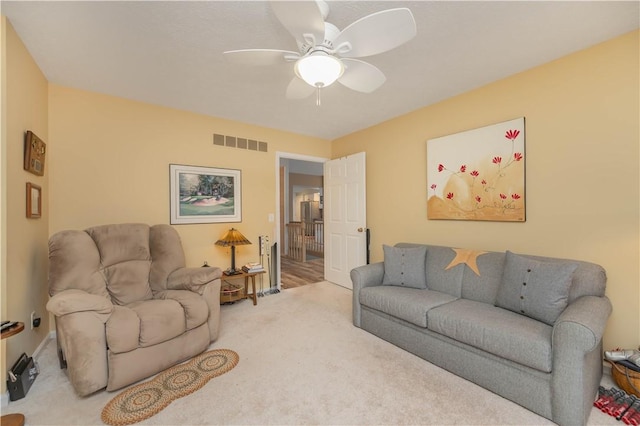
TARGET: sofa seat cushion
(495,330)
(408,304)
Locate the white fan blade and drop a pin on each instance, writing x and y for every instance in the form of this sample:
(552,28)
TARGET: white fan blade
(361,76)
(377,33)
(300,18)
(298,89)
(260,56)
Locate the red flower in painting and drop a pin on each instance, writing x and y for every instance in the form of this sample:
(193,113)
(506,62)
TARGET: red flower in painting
(463,168)
(512,134)
(478,199)
(450,195)
(515,196)
(497,160)
(484,182)
(433,186)
(440,167)
(474,173)
(504,197)
(517,156)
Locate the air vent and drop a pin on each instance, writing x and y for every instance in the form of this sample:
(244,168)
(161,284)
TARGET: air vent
(242,143)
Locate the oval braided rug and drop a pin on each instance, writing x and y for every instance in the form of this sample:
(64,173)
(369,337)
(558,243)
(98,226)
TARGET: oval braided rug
(142,401)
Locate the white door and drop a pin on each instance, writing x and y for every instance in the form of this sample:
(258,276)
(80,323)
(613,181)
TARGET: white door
(345,219)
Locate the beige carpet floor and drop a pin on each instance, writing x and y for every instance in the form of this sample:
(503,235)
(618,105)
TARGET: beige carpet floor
(301,362)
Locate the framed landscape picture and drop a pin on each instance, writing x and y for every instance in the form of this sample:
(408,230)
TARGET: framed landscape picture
(204,195)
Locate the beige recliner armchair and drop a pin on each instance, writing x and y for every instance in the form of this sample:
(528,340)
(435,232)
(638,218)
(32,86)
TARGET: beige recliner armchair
(125,305)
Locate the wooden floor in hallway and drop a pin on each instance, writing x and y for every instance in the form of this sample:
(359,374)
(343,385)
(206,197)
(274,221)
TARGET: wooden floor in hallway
(296,274)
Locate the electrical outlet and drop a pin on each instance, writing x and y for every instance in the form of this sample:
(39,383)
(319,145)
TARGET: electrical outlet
(264,244)
(33,317)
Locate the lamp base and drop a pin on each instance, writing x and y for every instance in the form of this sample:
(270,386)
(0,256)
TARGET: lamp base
(231,272)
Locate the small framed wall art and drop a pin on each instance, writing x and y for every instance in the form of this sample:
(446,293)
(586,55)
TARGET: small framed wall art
(34,201)
(34,153)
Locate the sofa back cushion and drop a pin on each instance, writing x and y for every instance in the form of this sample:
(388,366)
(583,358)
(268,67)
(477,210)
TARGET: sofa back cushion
(438,278)
(460,280)
(483,287)
(125,260)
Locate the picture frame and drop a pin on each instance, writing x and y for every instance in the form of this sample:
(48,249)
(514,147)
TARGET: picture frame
(204,195)
(34,153)
(478,174)
(34,201)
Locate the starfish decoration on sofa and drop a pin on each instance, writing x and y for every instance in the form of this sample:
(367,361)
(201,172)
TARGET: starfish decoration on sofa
(467,257)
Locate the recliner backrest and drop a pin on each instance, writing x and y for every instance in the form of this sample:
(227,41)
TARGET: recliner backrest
(167,254)
(125,260)
(74,263)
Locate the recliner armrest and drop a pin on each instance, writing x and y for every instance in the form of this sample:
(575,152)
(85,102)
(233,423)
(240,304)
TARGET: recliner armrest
(74,300)
(192,278)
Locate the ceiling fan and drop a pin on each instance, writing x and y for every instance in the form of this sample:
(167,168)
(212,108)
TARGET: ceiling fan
(326,54)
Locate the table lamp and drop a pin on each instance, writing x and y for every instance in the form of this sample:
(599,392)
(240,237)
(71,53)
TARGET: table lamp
(233,238)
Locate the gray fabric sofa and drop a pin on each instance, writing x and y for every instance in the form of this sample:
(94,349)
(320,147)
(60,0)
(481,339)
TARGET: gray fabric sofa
(125,305)
(527,328)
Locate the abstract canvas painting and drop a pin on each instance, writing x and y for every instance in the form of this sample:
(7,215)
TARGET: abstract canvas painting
(478,174)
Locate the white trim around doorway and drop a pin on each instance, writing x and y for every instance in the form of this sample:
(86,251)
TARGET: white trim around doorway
(287,156)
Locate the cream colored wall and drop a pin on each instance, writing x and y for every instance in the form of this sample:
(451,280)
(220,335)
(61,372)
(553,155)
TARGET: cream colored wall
(582,170)
(24,241)
(111,161)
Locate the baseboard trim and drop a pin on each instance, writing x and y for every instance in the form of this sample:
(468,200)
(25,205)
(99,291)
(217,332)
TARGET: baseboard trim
(40,348)
(5,399)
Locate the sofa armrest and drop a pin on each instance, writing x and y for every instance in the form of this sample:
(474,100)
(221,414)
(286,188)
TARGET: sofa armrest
(582,323)
(577,358)
(192,278)
(74,300)
(361,277)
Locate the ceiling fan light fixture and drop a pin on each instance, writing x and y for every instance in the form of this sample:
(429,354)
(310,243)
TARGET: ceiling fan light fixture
(319,69)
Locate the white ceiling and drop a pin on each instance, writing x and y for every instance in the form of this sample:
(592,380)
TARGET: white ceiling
(169,53)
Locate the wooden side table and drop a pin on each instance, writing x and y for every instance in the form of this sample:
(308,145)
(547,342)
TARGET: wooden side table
(15,419)
(8,332)
(246,276)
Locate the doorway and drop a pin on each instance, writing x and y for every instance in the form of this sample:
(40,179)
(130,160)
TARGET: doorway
(300,223)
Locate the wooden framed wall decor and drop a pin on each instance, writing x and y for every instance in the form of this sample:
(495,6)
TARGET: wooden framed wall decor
(34,201)
(34,153)
(204,195)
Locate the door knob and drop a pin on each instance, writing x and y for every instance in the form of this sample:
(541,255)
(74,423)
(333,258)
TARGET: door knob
(360,229)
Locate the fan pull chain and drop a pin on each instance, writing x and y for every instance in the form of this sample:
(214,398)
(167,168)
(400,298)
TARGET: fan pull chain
(318,103)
